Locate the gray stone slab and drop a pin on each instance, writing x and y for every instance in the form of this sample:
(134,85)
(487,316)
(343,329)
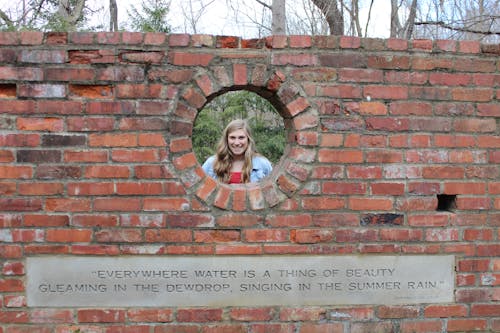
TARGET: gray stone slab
(63,281)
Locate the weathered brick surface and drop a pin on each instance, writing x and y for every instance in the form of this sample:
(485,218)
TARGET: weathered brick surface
(96,160)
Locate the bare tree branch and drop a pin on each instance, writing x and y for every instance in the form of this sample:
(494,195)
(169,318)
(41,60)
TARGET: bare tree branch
(460,29)
(368,18)
(263,4)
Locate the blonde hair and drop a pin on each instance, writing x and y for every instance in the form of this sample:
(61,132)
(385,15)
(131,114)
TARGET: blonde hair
(224,156)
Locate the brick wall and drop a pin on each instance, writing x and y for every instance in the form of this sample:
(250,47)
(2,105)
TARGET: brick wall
(96,159)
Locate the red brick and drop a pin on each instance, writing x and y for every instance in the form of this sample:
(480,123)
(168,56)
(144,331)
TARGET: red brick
(101,316)
(85,156)
(385,312)
(251,314)
(13,268)
(467,325)
(388,124)
(68,235)
(187,220)
(131,156)
(190,59)
(107,171)
(177,329)
(322,203)
(217,236)
(40,188)
(387,188)
(27,235)
(474,295)
(340,91)
(47,249)
(94,221)
(168,236)
(14,317)
(150,315)
(478,235)
(379,327)
(294,59)
(288,220)
(370,204)
(473,265)
(88,188)
(311,236)
(266,235)
(142,188)
(67,205)
(151,140)
(438,235)
(199,315)
(152,171)
(360,75)
(473,203)
(343,235)
(364,172)
(321,328)
(40,124)
(421,326)
(340,156)
(14,301)
(445,311)
(10,251)
(485,310)
(113,140)
(238,249)
(108,250)
(45,316)
(429,220)
(119,235)
(401,235)
(272,328)
(169,204)
(11,286)
(443,172)
(16,172)
(488,250)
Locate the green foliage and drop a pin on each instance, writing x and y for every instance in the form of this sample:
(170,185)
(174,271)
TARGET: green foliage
(152,17)
(266,124)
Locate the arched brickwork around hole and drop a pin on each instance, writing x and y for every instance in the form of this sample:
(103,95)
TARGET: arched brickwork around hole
(300,118)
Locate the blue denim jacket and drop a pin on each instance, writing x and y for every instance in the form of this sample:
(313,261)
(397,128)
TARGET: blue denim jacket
(261,167)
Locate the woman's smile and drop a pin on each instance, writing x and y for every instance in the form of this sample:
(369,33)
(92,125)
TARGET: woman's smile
(238,142)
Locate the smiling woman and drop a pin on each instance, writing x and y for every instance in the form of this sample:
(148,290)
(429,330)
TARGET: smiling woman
(236,160)
(265,122)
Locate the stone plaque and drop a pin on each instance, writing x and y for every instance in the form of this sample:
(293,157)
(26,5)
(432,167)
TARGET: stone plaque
(239,280)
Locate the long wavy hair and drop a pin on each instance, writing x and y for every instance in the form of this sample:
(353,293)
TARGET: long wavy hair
(224,156)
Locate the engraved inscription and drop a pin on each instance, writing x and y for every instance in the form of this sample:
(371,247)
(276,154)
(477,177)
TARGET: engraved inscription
(239,280)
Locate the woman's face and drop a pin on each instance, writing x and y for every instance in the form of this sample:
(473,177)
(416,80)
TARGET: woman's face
(238,142)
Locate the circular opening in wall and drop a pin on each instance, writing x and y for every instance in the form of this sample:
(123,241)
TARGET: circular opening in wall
(266,124)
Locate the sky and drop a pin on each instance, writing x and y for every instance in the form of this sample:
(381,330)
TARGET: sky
(216,18)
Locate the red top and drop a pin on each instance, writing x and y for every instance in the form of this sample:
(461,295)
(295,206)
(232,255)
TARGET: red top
(235,178)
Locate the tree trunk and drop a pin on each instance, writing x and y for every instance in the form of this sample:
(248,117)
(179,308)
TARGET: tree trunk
(113,16)
(333,15)
(71,15)
(410,23)
(395,24)
(279,17)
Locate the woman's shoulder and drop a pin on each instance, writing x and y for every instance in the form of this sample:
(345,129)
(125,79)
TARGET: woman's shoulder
(209,161)
(259,160)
